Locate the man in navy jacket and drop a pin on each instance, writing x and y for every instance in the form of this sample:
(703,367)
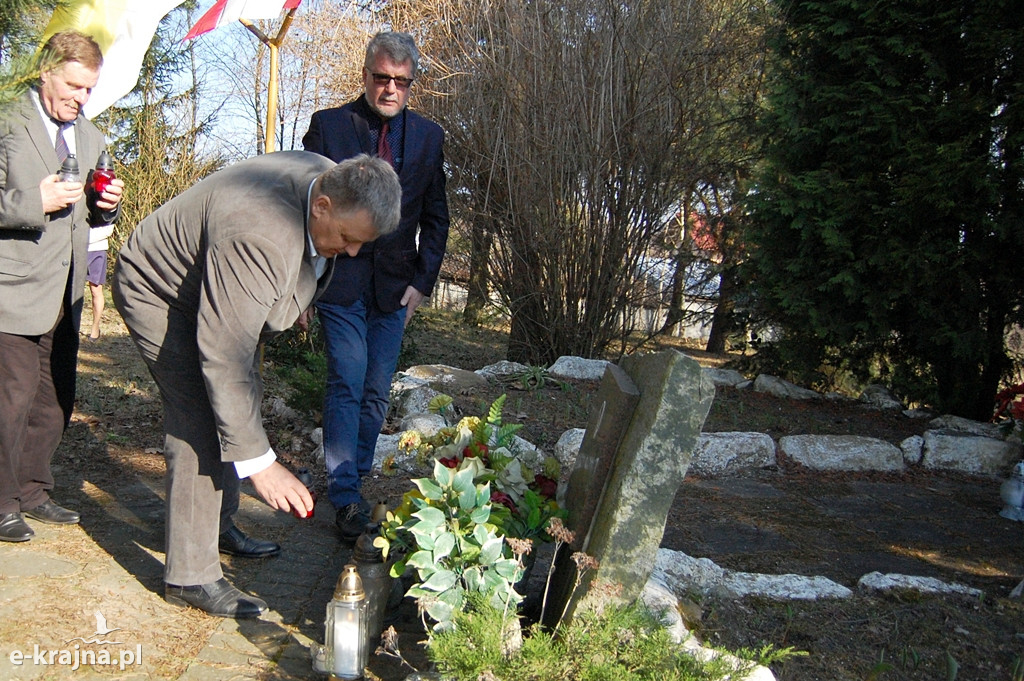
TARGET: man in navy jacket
(373,295)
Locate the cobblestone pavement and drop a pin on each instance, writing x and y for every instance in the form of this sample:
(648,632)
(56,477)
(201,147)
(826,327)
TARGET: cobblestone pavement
(52,586)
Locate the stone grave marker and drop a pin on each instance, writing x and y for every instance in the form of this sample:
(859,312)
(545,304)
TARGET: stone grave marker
(626,477)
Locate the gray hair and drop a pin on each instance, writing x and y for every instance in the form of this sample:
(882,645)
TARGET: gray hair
(369,183)
(399,47)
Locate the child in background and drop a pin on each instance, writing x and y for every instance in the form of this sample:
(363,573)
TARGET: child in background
(96,274)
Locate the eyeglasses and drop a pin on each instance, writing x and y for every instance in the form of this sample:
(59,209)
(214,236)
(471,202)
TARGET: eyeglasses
(401,82)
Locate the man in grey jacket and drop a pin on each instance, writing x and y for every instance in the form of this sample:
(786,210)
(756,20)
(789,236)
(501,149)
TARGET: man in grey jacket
(224,266)
(44,231)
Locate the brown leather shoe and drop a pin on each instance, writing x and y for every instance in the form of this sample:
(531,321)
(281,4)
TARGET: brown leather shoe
(49,512)
(219,599)
(14,528)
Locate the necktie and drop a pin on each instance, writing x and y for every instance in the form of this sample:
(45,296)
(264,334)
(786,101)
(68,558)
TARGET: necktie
(383,148)
(61,145)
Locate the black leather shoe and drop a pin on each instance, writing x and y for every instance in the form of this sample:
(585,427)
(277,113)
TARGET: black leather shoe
(234,542)
(49,512)
(14,528)
(219,599)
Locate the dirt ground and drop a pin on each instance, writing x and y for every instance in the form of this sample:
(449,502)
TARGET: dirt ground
(781,520)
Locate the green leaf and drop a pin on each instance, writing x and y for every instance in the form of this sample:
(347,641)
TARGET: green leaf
(480,514)
(443,547)
(398,569)
(483,494)
(490,550)
(439,403)
(421,560)
(429,517)
(455,596)
(467,500)
(428,488)
(463,481)
(442,580)
(494,414)
(424,540)
(442,474)
(474,579)
(481,535)
(509,569)
(440,611)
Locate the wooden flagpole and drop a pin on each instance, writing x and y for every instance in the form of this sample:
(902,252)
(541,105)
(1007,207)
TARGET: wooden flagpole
(272,43)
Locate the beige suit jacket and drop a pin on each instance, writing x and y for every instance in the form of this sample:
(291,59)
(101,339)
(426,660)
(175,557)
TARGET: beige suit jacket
(38,251)
(218,269)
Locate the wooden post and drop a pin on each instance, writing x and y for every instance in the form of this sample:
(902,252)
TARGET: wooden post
(272,43)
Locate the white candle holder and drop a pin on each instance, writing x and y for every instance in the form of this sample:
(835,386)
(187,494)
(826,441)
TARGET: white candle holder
(346,650)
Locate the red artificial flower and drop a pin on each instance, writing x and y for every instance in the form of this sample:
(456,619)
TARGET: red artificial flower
(476,449)
(502,498)
(450,462)
(546,487)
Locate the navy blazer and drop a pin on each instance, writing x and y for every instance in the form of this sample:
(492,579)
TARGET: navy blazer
(394,262)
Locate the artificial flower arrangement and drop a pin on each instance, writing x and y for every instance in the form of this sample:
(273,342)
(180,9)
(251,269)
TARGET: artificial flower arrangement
(467,527)
(527,497)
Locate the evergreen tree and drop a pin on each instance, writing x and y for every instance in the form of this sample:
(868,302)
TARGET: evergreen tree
(887,230)
(21,21)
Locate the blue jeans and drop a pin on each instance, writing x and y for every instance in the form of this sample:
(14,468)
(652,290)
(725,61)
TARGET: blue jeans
(362,350)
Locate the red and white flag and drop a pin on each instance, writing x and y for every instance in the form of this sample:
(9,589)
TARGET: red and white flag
(228,11)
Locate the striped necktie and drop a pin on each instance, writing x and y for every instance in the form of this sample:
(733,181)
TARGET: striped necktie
(61,145)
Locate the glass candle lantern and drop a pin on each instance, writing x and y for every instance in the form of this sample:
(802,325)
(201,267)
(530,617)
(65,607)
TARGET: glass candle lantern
(345,627)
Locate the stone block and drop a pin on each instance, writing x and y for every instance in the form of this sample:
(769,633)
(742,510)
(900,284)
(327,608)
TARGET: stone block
(723,453)
(951,450)
(842,452)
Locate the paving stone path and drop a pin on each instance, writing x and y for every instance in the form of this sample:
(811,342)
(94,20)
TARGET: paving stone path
(51,587)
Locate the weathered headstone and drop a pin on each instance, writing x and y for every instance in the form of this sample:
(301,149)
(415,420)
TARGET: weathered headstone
(622,524)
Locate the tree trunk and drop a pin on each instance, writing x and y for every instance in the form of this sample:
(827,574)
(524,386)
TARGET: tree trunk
(723,322)
(477,294)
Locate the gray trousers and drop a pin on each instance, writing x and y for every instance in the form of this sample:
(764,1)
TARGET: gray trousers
(202,491)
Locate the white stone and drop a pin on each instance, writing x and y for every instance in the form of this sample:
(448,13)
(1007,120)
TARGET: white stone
(724,377)
(780,388)
(718,453)
(659,599)
(684,574)
(913,450)
(568,446)
(527,453)
(400,382)
(879,397)
(413,400)
(967,453)
(387,446)
(451,380)
(427,424)
(876,581)
(503,369)
(782,587)
(577,367)
(960,424)
(842,452)
(744,670)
